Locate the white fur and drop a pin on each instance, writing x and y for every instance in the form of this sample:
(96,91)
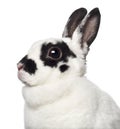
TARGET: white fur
(56,100)
(73,103)
(67,101)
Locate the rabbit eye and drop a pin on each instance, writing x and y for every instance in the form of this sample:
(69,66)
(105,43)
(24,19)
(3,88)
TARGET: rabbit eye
(54,53)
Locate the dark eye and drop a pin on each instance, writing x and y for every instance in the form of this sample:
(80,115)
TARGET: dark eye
(54,53)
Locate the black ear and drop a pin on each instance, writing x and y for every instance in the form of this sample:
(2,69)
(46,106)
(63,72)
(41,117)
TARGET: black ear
(74,20)
(91,26)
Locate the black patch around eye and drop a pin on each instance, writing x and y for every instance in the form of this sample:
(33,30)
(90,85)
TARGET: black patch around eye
(66,52)
(29,65)
(63,68)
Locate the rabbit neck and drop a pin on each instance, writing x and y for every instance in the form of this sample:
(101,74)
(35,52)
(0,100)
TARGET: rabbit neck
(49,93)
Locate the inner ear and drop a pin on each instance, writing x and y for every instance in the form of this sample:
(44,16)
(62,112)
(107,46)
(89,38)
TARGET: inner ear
(73,21)
(90,29)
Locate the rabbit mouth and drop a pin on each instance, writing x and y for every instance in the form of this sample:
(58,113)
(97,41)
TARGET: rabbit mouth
(21,76)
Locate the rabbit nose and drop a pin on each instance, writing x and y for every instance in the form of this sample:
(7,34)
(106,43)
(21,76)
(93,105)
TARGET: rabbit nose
(20,66)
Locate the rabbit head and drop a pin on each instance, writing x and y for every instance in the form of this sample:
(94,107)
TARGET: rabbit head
(55,59)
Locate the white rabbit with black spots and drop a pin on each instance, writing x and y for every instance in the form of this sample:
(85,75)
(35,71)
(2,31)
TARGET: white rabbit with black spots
(56,92)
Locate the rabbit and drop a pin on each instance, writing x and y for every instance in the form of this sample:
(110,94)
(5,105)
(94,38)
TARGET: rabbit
(57,93)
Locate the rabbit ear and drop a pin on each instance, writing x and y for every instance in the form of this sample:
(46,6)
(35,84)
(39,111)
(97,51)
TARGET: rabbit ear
(73,22)
(90,28)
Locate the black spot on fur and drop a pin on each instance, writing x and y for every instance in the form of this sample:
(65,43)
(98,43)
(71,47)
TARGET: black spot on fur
(29,65)
(66,52)
(63,68)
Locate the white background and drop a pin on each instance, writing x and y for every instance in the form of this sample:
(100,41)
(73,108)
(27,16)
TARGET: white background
(23,22)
